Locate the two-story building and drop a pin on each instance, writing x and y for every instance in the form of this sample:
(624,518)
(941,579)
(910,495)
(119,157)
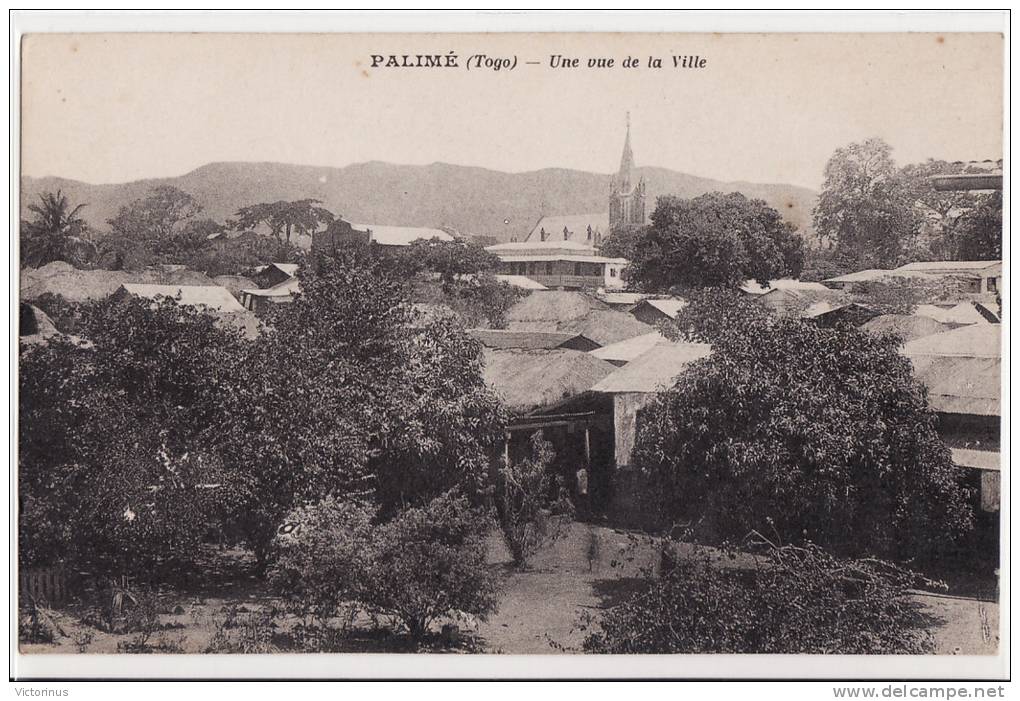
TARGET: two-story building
(568,265)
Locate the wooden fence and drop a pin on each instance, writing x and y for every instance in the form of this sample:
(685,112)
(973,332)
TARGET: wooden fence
(46,585)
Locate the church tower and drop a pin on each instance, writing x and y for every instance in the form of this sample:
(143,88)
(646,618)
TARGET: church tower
(626,198)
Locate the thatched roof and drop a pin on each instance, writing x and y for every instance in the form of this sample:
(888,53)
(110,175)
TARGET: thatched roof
(654,370)
(91,285)
(212,297)
(554,306)
(906,326)
(528,380)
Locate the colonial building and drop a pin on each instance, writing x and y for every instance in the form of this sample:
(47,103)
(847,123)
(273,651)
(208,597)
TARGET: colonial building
(566,265)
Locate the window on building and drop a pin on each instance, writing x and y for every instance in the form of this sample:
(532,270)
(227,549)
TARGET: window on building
(992,285)
(612,272)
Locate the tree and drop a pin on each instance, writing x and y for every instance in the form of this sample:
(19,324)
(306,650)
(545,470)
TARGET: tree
(865,209)
(979,234)
(714,240)
(522,501)
(817,434)
(283,219)
(55,233)
(451,259)
(157,218)
(787,600)
(622,242)
(937,213)
(711,313)
(114,473)
(346,396)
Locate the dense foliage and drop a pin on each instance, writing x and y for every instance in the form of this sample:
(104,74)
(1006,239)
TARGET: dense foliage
(345,394)
(714,240)
(873,214)
(424,563)
(791,600)
(449,259)
(55,232)
(114,458)
(819,434)
(902,295)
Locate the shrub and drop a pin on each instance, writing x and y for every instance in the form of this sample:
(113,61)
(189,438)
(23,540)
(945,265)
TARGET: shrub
(793,600)
(522,508)
(429,562)
(321,556)
(424,563)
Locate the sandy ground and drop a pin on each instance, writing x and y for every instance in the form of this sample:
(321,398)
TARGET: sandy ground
(539,610)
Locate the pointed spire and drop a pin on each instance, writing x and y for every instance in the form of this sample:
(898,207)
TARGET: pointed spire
(626,161)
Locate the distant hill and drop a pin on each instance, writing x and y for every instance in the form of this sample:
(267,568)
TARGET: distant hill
(472,200)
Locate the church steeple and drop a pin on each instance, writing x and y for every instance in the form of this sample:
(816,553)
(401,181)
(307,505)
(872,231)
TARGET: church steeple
(626,161)
(626,199)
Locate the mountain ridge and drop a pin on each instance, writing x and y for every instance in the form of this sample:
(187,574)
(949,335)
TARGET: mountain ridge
(470,199)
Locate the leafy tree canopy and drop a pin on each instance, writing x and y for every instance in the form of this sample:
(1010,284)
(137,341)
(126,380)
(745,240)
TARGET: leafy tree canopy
(817,434)
(714,240)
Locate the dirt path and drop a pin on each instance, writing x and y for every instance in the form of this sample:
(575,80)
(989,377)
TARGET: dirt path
(545,602)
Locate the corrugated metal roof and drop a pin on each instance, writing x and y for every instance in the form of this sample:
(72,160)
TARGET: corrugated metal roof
(576,225)
(570,258)
(949,266)
(962,313)
(527,380)
(669,307)
(542,246)
(974,341)
(978,459)
(621,298)
(752,287)
(654,370)
(213,297)
(387,235)
(861,276)
(286,288)
(960,385)
(628,350)
(503,338)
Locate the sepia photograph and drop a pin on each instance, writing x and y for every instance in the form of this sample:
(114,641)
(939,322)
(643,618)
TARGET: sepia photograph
(618,345)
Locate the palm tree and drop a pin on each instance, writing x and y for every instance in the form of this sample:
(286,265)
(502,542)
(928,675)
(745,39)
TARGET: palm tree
(56,232)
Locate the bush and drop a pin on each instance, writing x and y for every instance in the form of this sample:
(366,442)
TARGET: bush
(425,563)
(429,562)
(794,600)
(817,434)
(321,556)
(522,508)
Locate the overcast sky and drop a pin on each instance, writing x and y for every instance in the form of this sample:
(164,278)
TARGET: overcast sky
(112,108)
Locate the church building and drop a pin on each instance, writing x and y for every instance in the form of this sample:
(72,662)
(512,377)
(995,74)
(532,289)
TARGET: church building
(626,207)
